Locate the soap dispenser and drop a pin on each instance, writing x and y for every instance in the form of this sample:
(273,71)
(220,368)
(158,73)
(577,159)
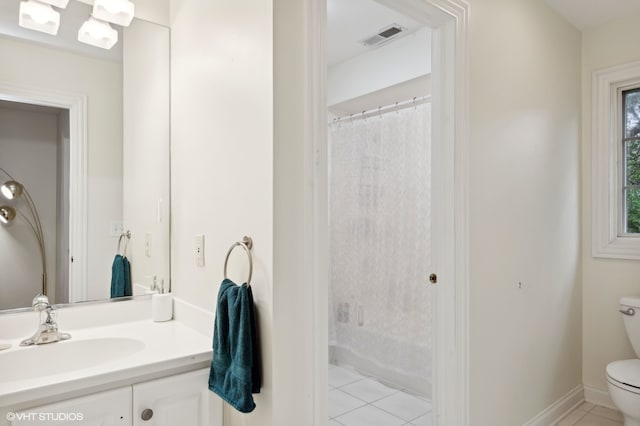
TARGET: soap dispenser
(162,305)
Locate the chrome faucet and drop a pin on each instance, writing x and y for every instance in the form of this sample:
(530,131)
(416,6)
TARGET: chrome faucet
(48,329)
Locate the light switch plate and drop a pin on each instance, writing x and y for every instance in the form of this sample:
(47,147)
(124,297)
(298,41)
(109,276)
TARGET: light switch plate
(199,250)
(115,230)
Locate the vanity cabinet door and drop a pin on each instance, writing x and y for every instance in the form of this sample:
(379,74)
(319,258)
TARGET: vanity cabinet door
(183,399)
(111,408)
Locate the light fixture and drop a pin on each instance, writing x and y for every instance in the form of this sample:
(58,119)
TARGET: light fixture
(57,3)
(12,190)
(7,214)
(39,17)
(118,12)
(98,33)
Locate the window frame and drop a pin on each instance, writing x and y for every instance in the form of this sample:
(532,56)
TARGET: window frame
(622,157)
(609,238)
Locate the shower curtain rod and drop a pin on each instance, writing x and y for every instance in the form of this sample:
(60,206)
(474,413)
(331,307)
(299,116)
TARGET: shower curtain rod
(383,109)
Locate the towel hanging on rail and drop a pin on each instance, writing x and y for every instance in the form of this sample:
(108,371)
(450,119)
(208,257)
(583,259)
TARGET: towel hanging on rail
(236,370)
(121,270)
(120,277)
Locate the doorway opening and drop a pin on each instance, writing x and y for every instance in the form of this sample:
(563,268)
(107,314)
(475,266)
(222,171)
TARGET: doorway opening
(35,147)
(447,20)
(380,299)
(70,282)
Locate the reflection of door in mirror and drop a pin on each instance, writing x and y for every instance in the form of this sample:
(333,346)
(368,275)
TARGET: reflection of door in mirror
(123,117)
(33,140)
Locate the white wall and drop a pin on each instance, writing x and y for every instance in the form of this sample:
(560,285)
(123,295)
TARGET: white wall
(405,91)
(293,263)
(153,11)
(604,280)
(396,62)
(524,210)
(222,158)
(101,82)
(232,175)
(146,199)
(29,144)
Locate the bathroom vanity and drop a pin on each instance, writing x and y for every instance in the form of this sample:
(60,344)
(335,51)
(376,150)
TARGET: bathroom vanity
(118,368)
(177,399)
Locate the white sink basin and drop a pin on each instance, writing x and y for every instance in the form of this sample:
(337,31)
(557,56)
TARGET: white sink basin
(37,361)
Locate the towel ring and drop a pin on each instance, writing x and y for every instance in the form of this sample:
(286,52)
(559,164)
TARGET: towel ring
(247,245)
(126,243)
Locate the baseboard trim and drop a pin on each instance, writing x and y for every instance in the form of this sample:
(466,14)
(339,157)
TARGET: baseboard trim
(560,408)
(598,396)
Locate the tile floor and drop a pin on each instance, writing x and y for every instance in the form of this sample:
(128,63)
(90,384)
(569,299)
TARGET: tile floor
(356,400)
(589,414)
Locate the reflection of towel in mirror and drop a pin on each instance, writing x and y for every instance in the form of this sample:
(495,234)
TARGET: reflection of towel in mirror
(120,277)
(235,369)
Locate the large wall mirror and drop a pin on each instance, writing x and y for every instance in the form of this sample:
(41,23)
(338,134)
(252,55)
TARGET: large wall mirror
(85,133)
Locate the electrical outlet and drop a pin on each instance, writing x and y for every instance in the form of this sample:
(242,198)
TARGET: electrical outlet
(147,244)
(199,250)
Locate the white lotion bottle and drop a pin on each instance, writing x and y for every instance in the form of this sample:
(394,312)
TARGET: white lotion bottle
(161,306)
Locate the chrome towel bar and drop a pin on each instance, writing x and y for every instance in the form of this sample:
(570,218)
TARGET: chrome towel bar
(247,245)
(126,235)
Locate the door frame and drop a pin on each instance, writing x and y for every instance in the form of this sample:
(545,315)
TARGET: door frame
(76,104)
(449,22)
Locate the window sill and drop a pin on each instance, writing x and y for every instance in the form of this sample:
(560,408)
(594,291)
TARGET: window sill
(619,247)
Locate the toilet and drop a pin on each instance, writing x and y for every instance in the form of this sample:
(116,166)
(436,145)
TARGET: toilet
(623,377)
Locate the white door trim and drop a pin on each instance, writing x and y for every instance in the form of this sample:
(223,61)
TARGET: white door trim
(77,106)
(449,20)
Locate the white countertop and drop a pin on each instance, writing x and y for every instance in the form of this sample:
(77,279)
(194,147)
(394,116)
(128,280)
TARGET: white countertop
(160,348)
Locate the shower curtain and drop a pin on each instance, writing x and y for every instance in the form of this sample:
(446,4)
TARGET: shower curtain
(380,205)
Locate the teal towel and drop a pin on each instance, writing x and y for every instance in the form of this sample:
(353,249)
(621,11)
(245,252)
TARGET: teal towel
(235,369)
(120,277)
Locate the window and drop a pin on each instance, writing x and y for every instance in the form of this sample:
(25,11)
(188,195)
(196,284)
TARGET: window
(615,139)
(631,161)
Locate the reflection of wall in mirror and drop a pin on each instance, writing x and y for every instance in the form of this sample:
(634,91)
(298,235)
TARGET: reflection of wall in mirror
(33,65)
(146,114)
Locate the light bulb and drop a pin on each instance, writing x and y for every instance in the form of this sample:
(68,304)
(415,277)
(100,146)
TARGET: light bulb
(118,12)
(38,16)
(7,214)
(114,6)
(11,189)
(97,29)
(6,192)
(98,33)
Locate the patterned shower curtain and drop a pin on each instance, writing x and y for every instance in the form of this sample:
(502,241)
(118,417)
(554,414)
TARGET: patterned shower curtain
(380,206)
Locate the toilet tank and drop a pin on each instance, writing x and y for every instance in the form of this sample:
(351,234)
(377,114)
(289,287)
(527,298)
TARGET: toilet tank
(632,322)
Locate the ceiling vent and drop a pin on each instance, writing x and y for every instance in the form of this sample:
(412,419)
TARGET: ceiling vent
(385,35)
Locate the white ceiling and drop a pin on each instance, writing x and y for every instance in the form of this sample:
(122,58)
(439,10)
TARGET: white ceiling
(351,21)
(588,14)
